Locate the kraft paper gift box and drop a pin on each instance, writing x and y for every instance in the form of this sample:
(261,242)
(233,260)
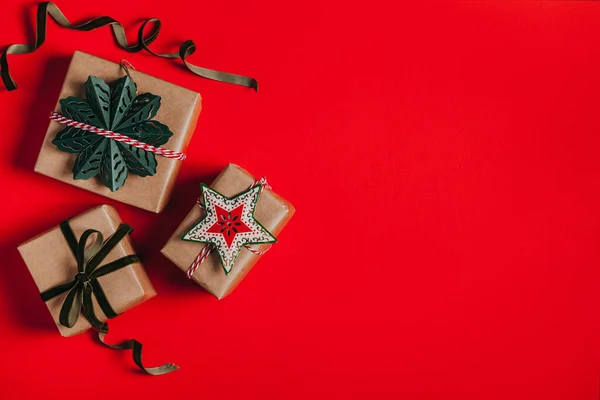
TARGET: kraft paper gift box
(51,262)
(179,110)
(272,211)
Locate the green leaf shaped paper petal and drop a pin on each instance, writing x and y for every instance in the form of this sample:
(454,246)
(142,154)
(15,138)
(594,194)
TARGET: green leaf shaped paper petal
(121,110)
(97,94)
(149,132)
(88,161)
(113,168)
(121,99)
(139,162)
(79,110)
(74,140)
(143,109)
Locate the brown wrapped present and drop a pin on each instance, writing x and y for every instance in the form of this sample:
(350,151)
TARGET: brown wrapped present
(217,272)
(179,111)
(52,262)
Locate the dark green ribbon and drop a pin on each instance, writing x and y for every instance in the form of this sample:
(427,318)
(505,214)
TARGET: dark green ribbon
(85,284)
(186,49)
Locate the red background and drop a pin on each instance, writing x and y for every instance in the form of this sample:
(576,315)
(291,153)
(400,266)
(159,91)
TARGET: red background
(443,159)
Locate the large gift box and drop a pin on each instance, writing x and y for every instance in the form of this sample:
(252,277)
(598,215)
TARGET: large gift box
(216,273)
(148,180)
(53,264)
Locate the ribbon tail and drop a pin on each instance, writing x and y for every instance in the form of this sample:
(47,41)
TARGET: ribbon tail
(136,348)
(188,48)
(88,310)
(102,300)
(49,8)
(69,312)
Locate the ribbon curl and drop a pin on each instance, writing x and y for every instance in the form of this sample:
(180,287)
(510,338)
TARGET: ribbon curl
(85,284)
(186,49)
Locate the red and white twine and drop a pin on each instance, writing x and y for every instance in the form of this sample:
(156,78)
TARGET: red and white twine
(206,250)
(118,137)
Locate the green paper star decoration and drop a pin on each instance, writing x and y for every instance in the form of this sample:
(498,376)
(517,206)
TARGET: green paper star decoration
(120,110)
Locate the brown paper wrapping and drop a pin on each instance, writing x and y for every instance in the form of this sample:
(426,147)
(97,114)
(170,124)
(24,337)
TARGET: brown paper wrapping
(272,211)
(51,262)
(179,110)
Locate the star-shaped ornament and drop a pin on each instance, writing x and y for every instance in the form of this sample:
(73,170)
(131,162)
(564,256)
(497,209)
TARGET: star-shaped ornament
(229,224)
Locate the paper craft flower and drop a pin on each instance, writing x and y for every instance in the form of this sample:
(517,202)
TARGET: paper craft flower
(119,110)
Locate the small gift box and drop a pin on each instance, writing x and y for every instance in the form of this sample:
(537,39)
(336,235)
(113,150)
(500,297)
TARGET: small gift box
(74,268)
(107,131)
(85,279)
(236,221)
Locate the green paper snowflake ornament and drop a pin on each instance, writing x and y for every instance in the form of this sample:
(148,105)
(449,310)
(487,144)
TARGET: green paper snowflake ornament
(118,109)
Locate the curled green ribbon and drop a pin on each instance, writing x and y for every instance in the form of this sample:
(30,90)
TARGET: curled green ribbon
(186,49)
(85,284)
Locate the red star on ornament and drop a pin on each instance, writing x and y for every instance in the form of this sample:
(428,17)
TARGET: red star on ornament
(229,223)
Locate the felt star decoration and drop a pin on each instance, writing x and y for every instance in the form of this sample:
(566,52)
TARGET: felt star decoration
(229,224)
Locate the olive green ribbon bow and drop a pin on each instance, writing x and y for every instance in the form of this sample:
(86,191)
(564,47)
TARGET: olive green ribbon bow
(85,284)
(186,49)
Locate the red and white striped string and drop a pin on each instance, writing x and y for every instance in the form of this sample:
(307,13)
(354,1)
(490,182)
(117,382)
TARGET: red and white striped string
(118,137)
(206,250)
